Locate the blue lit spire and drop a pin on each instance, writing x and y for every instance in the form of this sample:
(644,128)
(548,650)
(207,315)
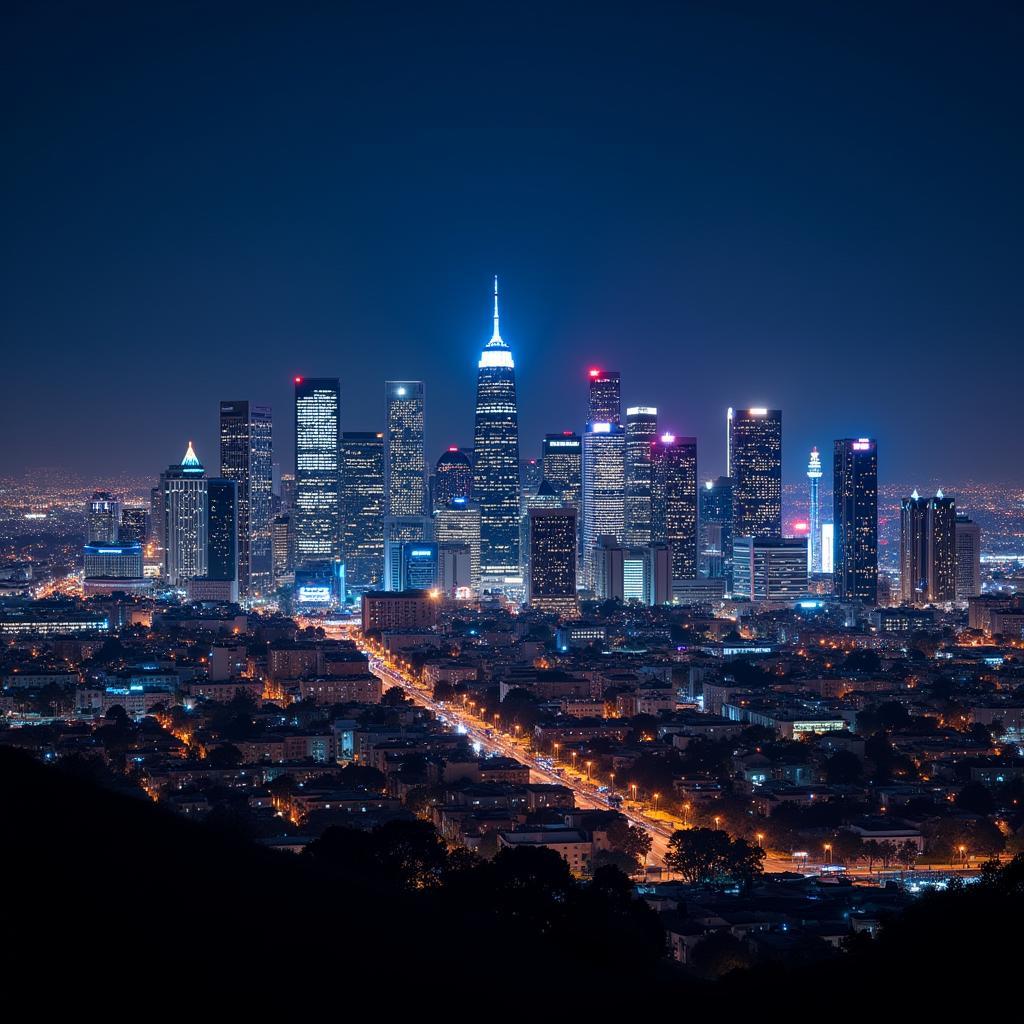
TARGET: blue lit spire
(191,460)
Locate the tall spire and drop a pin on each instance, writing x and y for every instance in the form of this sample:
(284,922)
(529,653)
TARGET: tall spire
(496,337)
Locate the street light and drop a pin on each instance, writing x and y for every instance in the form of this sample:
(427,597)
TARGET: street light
(828,853)
(718,821)
(760,839)
(686,814)
(589,766)
(657,797)
(632,789)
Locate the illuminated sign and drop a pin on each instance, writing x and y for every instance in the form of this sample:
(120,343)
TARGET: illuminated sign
(758,412)
(311,594)
(668,438)
(563,444)
(600,428)
(861,446)
(421,553)
(642,410)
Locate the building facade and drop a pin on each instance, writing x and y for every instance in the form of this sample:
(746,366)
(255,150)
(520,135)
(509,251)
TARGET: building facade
(674,501)
(551,583)
(754,463)
(641,434)
(604,490)
(362,458)
(405,459)
(855,520)
(317,511)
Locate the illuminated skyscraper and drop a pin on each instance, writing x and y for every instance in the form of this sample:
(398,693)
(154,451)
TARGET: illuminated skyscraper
(770,569)
(562,465)
(134,526)
(453,477)
(674,501)
(968,558)
(459,523)
(928,549)
(246,456)
(605,404)
(222,531)
(551,584)
(716,529)
(604,490)
(282,550)
(102,517)
(814,514)
(405,459)
(362,502)
(543,496)
(317,511)
(496,450)
(185,523)
(754,462)
(641,432)
(855,508)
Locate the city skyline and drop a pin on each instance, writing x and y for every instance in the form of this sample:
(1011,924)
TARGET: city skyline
(770,257)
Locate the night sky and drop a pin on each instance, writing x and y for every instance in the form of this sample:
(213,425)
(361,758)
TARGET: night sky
(772,204)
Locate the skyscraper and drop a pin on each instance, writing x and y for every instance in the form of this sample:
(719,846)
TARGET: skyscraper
(362,459)
(928,552)
(855,515)
(605,404)
(716,529)
(814,514)
(674,501)
(134,526)
(551,583)
(453,477)
(496,449)
(754,462)
(282,549)
(184,504)
(543,496)
(770,569)
(102,519)
(604,490)
(405,459)
(459,523)
(246,456)
(968,558)
(562,465)
(641,433)
(317,511)
(222,529)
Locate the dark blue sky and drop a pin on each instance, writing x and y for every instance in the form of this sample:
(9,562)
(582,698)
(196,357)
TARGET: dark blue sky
(811,206)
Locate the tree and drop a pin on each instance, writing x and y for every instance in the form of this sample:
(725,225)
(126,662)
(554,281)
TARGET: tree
(394,696)
(703,855)
(843,768)
(976,798)
(847,847)
(629,840)
(226,755)
(719,953)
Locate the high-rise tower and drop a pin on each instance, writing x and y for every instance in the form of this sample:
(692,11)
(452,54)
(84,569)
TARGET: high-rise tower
(605,404)
(246,456)
(754,461)
(405,459)
(855,508)
(928,549)
(317,512)
(604,491)
(641,433)
(814,514)
(674,501)
(362,455)
(496,451)
(185,519)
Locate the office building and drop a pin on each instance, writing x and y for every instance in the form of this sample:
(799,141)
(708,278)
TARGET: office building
(184,516)
(408,610)
(754,463)
(117,561)
(715,516)
(551,583)
(968,558)
(418,566)
(641,434)
(282,550)
(134,525)
(562,465)
(543,496)
(455,570)
(246,456)
(405,458)
(362,502)
(674,501)
(496,451)
(828,544)
(317,510)
(633,574)
(399,530)
(605,405)
(769,570)
(604,490)
(222,531)
(458,523)
(855,517)
(453,478)
(102,519)
(928,549)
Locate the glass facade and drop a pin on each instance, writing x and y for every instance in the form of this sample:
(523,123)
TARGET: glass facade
(754,462)
(405,465)
(855,520)
(674,502)
(363,504)
(604,490)
(641,433)
(317,512)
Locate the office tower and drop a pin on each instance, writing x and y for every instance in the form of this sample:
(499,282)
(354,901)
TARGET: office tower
(551,583)
(459,523)
(531,473)
(223,546)
(754,462)
(855,515)
(399,530)
(453,478)
(604,490)
(639,574)
(674,501)
(405,457)
(183,499)
(246,456)
(282,550)
(455,570)
(641,433)
(562,465)
(102,518)
(287,492)
(605,404)
(544,496)
(715,515)
(814,514)
(769,569)
(121,560)
(317,510)
(828,547)
(362,502)
(928,548)
(418,566)
(134,525)
(496,448)
(968,558)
